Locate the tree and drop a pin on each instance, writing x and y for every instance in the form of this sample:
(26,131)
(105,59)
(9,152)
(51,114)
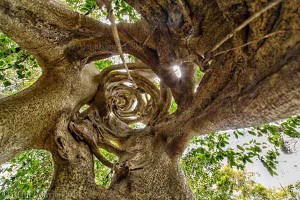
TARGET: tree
(248,52)
(211,178)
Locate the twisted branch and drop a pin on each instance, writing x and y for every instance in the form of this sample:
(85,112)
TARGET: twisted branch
(83,133)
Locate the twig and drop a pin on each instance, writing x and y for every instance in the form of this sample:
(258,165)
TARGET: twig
(149,36)
(107,145)
(249,43)
(245,23)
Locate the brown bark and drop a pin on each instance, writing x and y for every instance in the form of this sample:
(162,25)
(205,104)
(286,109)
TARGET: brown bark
(58,32)
(276,97)
(267,63)
(37,108)
(74,170)
(243,86)
(152,173)
(145,169)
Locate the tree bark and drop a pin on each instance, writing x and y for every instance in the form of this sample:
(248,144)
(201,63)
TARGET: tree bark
(146,169)
(245,84)
(37,108)
(232,83)
(152,172)
(276,97)
(74,176)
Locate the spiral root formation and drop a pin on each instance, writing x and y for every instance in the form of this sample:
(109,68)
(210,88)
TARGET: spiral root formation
(132,100)
(121,101)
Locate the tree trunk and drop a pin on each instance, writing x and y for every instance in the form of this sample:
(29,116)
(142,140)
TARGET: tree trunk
(146,170)
(246,69)
(73,165)
(152,172)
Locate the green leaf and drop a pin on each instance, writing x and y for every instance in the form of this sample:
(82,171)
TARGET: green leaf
(6,83)
(2,77)
(240,147)
(252,133)
(235,134)
(103,64)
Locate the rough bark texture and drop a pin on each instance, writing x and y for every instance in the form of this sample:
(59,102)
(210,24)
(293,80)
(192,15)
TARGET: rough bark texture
(252,78)
(36,109)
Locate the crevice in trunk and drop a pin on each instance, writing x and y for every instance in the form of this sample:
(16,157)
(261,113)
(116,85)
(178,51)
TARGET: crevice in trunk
(73,166)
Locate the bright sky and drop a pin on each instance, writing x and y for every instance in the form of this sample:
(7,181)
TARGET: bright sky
(288,169)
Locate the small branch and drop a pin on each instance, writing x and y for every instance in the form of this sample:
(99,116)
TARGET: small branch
(149,36)
(114,135)
(89,11)
(131,66)
(245,23)
(101,158)
(249,43)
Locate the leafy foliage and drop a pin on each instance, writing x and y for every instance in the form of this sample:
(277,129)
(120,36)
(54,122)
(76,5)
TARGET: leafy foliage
(122,11)
(103,63)
(294,190)
(217,182)
(214,148)
(210,179)
(173,107)
(102,173)
(27,176)
(18,69)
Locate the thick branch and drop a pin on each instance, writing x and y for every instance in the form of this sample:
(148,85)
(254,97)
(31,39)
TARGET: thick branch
(276,97)
(240,80)
(235,74)
(100,44)
(85,133)
(74,176)
(52,31)
(27,117)
(186,84)
(46,26)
